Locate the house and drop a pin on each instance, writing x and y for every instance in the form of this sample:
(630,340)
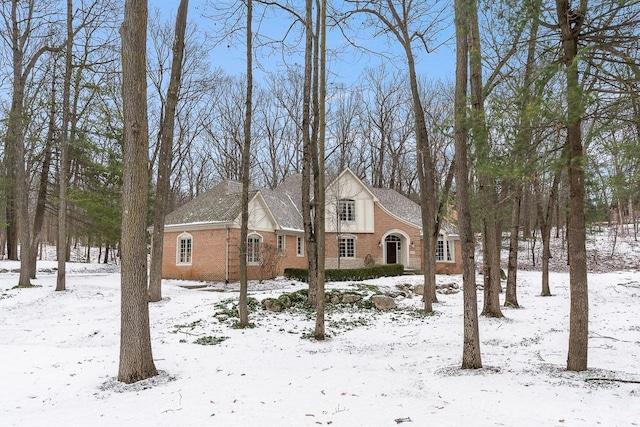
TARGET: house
(363,225)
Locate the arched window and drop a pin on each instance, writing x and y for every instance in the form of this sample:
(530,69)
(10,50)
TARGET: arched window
(184,252)
(254,244)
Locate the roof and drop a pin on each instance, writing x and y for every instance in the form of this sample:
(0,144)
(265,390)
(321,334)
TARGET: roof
(222,204)
(399,205)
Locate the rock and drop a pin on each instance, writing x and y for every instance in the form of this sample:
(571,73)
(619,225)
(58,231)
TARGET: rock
(418,289)
(350,298)
(335,299)
(383,302)
(271,304)
(407,293)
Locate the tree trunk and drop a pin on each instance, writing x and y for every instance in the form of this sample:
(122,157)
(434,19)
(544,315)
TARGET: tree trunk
(511,297)
(243,310)
(579,314)
(488,195)
(38,218)
(307,159)
(320,195)
(545,220)
(63,169)
(163,185)
(136,360)
(471,342)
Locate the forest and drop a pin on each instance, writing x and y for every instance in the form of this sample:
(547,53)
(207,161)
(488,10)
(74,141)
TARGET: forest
(114,113)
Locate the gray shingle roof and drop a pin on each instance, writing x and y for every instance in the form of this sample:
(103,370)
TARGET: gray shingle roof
(222,204)
(399,205)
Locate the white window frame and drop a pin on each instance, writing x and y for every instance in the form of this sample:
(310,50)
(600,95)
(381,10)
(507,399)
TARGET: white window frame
(253,254)
(184,254)
(299,246)
(281,243)
(444,249)
(343,247)
(347,210)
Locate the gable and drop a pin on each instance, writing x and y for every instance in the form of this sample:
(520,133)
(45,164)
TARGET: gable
(260,217)
(349,205)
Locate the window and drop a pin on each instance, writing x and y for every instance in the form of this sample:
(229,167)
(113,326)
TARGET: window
(299,246)
(281,243)
(347,209)
(254,242)
(185,248)
(347,247)
(444,252)
(440,249)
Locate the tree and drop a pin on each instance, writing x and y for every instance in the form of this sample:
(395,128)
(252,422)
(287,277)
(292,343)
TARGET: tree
(38,217)
(471,358)
(22,29)
(319,178)
(407,24)
(166,154)
(570,23)
(61,248)
(491,229)
(136,360)
(246,161)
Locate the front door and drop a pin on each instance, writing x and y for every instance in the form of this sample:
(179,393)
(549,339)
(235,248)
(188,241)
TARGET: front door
(392,245)
(392,253)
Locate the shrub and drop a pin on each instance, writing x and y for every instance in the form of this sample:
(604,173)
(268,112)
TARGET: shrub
(209,340)
(342,275)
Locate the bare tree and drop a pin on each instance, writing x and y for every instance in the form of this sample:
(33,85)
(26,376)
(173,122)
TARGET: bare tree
(246,161)
(471,358)
(136,360)
(61,248)
(23,31)
(166,154)
(410,23)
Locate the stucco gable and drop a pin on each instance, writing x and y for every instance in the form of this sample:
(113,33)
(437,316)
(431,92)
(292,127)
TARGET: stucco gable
(348,186)
(260,216)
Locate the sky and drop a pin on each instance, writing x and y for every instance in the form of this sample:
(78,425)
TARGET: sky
(59,353)
(345,66)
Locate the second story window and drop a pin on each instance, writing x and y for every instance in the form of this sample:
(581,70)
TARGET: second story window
(347,209)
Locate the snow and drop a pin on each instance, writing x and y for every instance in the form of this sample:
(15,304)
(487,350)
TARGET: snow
(59,353)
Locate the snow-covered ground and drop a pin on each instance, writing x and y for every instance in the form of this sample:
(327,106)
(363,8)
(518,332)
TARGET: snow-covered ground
(59,356)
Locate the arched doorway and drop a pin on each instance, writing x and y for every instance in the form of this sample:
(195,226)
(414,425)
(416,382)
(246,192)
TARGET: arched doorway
(393,246)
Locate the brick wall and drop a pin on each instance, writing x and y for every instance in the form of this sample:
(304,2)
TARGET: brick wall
(210,252)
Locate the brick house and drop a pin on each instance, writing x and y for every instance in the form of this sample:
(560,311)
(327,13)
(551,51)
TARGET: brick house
(201,240)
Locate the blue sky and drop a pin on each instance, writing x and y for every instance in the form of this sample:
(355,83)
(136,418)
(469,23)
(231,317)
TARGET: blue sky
(345,67)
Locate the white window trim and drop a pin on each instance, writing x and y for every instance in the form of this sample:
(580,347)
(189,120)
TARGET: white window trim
(281,250)
(179,239)
(349,210)
(253,236)
(299,246)
(448,250)
(348,236)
